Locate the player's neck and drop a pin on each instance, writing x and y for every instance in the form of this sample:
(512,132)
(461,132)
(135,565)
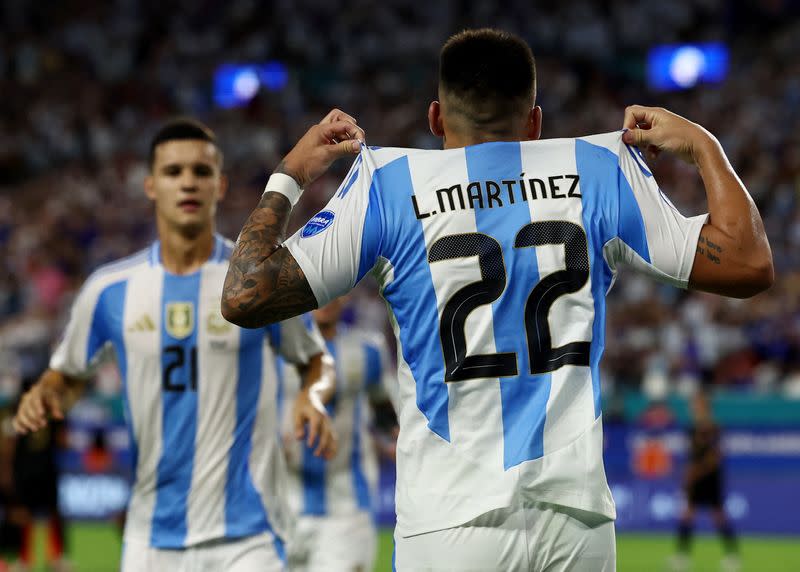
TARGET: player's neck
(457,140)
(184,253)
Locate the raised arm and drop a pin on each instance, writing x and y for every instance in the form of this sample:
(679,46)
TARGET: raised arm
(264,283)
(733,256)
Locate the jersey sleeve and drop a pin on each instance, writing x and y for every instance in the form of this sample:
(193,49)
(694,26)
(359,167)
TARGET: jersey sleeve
(654,238)
(85,343)
(300,339)
(339,245)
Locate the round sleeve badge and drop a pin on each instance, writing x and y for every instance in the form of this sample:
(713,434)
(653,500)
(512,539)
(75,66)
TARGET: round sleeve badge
(318,223)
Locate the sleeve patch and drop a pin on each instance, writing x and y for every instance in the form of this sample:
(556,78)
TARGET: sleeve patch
(318,223)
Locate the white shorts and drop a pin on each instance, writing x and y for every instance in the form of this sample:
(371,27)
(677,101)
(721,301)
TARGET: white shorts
(333,544)
(260,553)
(534,538)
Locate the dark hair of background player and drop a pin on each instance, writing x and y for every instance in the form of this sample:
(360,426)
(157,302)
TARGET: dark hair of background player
(182,128)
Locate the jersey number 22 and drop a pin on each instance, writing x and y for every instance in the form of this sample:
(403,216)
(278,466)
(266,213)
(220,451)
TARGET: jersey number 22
(543,356)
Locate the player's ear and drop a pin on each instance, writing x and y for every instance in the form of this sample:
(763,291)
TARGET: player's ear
(435,119)
(149,187)
(534,127)
(223,187)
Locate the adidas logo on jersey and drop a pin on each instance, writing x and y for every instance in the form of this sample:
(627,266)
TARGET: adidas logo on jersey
(143,324)
(216,324)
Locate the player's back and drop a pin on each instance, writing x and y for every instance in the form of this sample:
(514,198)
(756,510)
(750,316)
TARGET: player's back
(495,260)
(491,294)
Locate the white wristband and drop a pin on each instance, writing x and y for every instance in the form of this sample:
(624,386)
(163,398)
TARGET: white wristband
(285,185)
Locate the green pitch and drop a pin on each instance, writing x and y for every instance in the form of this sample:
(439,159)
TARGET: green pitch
(95,548)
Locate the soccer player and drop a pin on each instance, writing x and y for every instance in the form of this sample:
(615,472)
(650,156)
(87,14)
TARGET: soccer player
(35,493)
(199,393)
(335,499)
(704,486)
(494,256)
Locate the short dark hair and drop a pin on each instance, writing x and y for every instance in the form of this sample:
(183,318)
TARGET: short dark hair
(488,72)
(181,128)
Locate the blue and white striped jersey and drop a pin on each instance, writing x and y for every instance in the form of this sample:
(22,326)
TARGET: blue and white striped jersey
(495,261)
(348,482)
(200,397)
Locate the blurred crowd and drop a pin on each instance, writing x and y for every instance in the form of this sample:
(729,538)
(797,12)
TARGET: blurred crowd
(85,84)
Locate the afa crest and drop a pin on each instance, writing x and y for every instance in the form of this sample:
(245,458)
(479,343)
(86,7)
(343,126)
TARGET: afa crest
(180,319)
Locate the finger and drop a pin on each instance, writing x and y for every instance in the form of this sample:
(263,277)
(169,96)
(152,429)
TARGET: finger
(322,443)
(26,421)
(345,148)
(629,120)
(333,446)
(33,422)
(32,402)
(313,429)
(636,115)
(23,413)
(19,428)
(334,115)
(640,137)
(38,410)
(338,115)
(54,405)
(325,438)
(341,130)
(352,132)
(329,118)
(360,134)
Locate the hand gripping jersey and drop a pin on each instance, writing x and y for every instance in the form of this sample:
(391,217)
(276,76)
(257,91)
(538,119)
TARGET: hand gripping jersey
(347,483)
(199,397)
(495,261)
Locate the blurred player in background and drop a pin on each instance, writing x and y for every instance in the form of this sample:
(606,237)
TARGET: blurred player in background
(335,498)
(9,529)
(199,393)
(704,486)
(35,494)
(495,256)
(29,476)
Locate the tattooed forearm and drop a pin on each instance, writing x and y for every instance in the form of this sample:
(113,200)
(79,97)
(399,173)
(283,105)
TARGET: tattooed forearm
(281,168)
(264,283)
(709,249)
